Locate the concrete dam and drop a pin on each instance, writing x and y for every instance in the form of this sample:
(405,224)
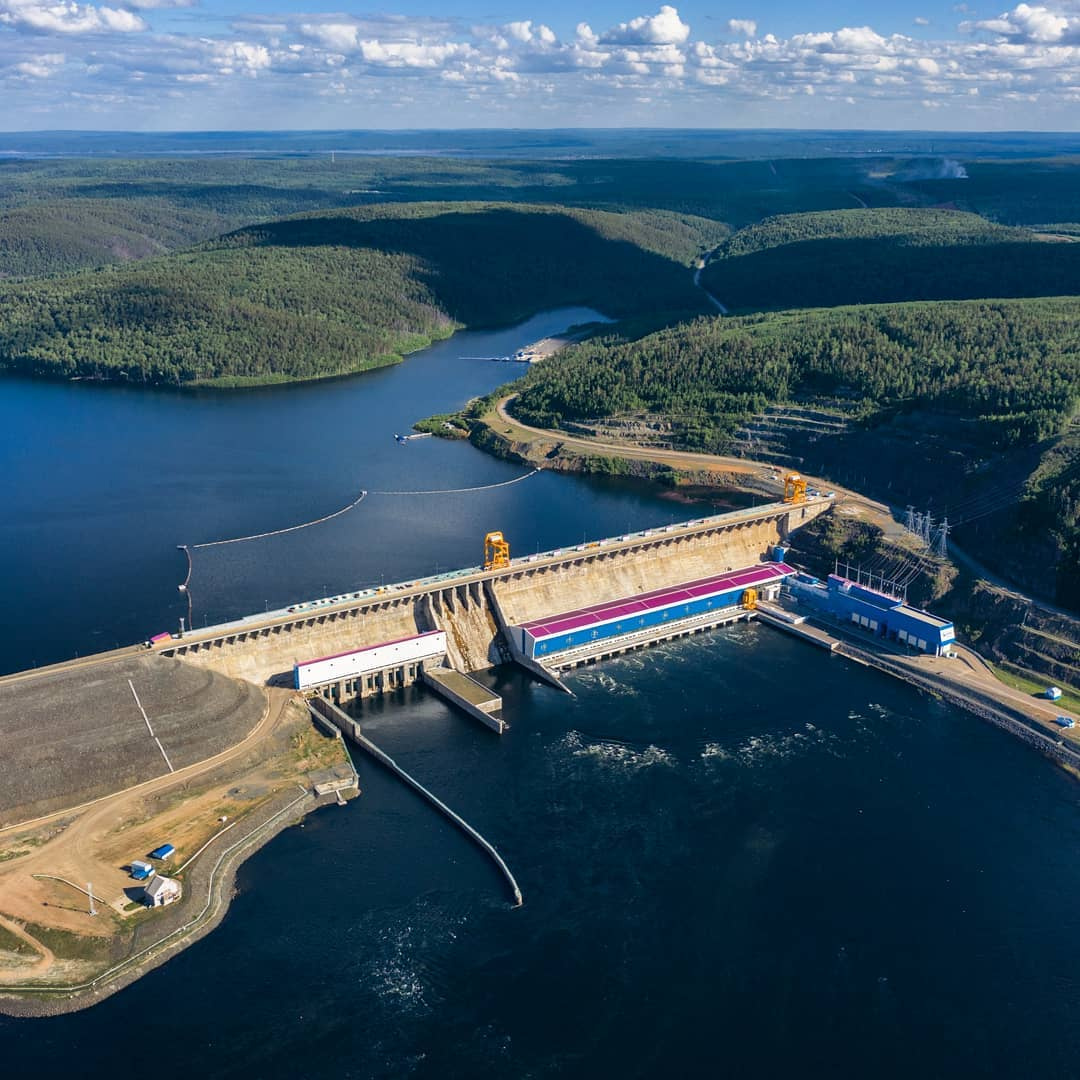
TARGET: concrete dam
(546,612)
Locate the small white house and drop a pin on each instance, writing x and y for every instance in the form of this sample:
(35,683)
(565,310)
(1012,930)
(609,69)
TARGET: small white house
(160,891)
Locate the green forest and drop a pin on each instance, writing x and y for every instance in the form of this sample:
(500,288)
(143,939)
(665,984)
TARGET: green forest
(1012,365)
(337,292)
(68,214)
(885,256)
(938,392)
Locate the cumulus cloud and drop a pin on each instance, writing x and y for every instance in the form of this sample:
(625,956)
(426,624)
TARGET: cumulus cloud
(341,36)
(445,67)
(40,67)
(67,17)
(239,57)
(745,27)
(664,28)
(1031,23)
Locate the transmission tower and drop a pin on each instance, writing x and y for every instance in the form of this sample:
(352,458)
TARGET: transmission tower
(941,539)
(927,528)
(909,520)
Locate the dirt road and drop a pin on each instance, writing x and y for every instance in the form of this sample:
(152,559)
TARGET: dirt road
(878,512)
(78,851)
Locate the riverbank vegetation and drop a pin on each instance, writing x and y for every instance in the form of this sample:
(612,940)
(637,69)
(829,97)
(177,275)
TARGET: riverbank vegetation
(337,292)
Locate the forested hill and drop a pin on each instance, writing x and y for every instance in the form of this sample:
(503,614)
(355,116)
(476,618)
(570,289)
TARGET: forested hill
(1013,366)
(886,255)
(337,292)
(968,404)
(69,234)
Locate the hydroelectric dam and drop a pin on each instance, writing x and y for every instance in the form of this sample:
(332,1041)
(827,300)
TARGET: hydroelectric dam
(95,725)
(546,612)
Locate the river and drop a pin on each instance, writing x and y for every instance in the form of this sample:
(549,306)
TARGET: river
(739,856)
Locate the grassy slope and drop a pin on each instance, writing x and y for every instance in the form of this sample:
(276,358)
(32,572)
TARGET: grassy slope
(885,256)
(336,292)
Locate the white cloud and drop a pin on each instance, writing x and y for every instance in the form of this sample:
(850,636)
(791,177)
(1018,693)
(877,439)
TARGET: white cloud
(40,67)
(745,27)
(664,28)
(409,54)
(586,36)
(921,20)
(1031,23)
(461,75)
(67,17)
(341,36)
(239,57)
(151,5)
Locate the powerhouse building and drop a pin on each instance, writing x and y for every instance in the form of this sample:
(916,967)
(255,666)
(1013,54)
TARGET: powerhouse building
(875,612)
(574,629)
(349,665)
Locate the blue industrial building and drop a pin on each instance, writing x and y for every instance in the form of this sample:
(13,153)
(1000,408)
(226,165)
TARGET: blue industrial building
(630,615)
(877,613)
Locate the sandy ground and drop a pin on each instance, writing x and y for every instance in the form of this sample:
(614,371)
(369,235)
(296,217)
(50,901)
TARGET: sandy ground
(95,844)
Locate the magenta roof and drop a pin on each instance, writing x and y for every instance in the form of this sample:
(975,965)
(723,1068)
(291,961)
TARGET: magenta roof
(632,605)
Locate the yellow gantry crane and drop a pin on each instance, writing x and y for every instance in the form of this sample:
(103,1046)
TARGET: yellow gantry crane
(794,488)
(750,599)
(496,551)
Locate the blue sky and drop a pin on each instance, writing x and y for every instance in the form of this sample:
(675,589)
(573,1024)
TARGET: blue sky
(243,64)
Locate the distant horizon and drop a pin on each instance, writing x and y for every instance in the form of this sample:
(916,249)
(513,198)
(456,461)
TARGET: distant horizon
(644,128)
(553,143)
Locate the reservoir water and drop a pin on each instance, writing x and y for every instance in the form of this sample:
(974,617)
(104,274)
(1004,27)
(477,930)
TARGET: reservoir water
(740,857)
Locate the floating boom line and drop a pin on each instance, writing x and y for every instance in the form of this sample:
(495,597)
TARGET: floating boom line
(461,491)
(280,532)
(187,549)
